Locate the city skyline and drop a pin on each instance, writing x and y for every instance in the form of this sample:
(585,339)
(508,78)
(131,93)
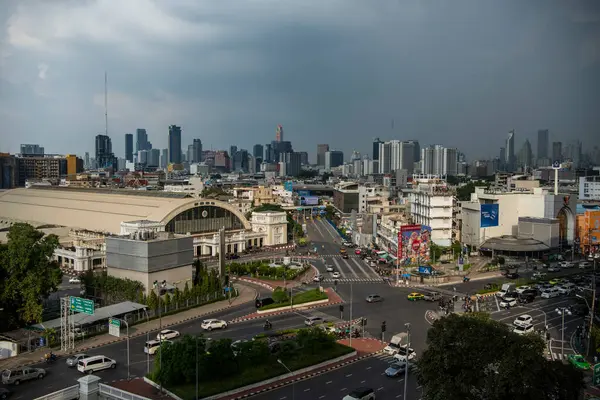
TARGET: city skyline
(471,84)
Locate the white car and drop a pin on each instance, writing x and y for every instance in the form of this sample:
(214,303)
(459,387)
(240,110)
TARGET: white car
(553,269)
(521,289)
(210,324)
(508,302)
(152,346)
(401,354)
(523,320)
(567,288)
(74,280)
(312,321)
(539,275)
(566,264)
(585,264)
(335,275)
(317,278)
(329,268)
(167,334)
(522,330)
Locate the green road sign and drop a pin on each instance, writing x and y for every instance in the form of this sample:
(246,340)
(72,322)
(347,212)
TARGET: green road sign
(115,322)
(80,305)
(114,327)
(597,374)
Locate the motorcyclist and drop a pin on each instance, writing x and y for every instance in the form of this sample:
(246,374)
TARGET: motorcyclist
(268,324)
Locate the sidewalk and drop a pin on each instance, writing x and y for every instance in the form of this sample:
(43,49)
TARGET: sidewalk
(247,294)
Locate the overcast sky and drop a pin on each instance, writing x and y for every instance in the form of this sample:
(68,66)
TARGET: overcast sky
(457,73)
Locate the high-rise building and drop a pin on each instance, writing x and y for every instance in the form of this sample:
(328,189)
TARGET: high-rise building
(141,140)
(375,154)
(510,151)
(449,162)
(269,153)
(129,147)
(292,162)
(321,150)
(174,144)
(417,150)
(164,158)
(439,160)
(74,166)
(525,158)
(502,161)
(194,152)
(9,171)
(258,151)
(333,158)
(153,159)
(232,150)
(32,150)
(279,134)
(572,152)
(557,154)
(240,160)
(105,157)
(542,143)
(395,155)
(87,160)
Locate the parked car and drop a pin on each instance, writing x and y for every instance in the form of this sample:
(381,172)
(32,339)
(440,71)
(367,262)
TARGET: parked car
(525,298)
(210,324)
(553,268)
(521,289)
(18,375)
(539,275)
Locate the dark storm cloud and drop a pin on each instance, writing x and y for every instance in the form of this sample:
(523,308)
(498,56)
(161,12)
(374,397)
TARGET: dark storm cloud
(456,73)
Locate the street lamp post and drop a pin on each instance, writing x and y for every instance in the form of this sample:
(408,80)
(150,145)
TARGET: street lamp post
(407,355)
(147,340)
(161,285)
(293,381)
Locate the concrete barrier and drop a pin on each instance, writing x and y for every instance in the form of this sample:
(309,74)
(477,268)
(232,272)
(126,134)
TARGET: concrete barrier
(295,307)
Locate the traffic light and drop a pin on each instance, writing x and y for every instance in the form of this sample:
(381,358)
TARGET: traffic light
(383,327)
(341,308)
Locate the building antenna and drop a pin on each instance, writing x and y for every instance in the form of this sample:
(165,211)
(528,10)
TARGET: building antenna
(105,103)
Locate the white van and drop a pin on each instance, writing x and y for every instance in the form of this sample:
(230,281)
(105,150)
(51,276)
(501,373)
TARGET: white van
(95,363)
(152,346)
(550,292)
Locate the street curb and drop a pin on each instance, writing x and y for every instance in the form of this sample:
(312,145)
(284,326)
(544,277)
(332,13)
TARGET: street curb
(82,349)
(256,282)
(307,376)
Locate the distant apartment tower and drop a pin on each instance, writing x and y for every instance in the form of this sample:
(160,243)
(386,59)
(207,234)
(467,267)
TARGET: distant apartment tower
(333,158)
(321,150)
(258,151)
(129,147)
(269,153)
(395,155)
(194,153)
(174,144)
(279,133)
(32,150)
(105,157)
(141,140)
(232,151)
(86,161)
(439,160)
(164,158)
(557,154)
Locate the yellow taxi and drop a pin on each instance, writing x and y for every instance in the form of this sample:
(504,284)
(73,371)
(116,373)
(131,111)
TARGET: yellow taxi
(415,296)
(554,281)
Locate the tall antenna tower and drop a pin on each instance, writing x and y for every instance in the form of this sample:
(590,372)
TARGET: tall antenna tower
(105,103)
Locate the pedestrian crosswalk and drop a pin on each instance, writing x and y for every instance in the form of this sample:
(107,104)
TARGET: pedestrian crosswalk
(354,280)
(339,255)
(559,356)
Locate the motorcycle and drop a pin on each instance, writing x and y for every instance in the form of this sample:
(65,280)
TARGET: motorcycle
(267,326)
(50,358)
(466,279)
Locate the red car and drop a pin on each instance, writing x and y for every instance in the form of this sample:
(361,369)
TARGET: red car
(357,252)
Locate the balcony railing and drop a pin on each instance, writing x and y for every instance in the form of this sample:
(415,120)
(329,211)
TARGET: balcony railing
(118,393)
(70,393)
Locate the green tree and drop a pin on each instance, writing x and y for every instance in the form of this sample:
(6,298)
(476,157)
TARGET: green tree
(167,302)
(177,298)
(472,358)
(186,294)
(280,295)
(153,301)
(435,252)
(28,274)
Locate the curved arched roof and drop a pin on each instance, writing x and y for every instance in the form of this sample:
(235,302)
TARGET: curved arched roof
(95,211)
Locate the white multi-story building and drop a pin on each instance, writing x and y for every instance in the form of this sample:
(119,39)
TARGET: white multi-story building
(439,160)
(394,155)
(589,188)
(512,205)
(431,204)
(371,194)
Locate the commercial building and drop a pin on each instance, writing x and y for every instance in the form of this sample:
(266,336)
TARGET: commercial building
(495,213)
(36,169)
(9,171)
(588,231)
(589,188)
(32,150)
(141,140)
(346,197)
(129,147)
(322,149)
(557,154)
(333,158)
(542,148)
(432,204)
(105,157)
(174,144)
(74,166)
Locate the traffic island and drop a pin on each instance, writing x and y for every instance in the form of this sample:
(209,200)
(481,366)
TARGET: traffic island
(302,301)
(225,371)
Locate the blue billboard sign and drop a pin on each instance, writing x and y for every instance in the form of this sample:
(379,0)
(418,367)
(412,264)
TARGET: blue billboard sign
(309,201)
(489,215)
(425,270)
(303,192)
(288,186)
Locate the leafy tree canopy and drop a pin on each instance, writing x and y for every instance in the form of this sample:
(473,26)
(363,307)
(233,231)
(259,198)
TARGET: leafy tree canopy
(475,358)
(268,207)
(463,193)
(27,273)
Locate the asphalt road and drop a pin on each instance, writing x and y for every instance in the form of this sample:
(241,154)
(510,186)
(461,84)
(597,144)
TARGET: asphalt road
(338,383)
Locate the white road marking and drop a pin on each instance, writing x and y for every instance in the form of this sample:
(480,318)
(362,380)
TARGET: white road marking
(355,261)
(381,388)
(307,390)
(328,382)
(341,390)
(339,268)
(348,376)
(362,381)
(368,368)
(350,268)
(283,398)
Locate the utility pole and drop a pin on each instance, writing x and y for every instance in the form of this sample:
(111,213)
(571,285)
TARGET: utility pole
(407,355)
(589,344)
(351,301)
